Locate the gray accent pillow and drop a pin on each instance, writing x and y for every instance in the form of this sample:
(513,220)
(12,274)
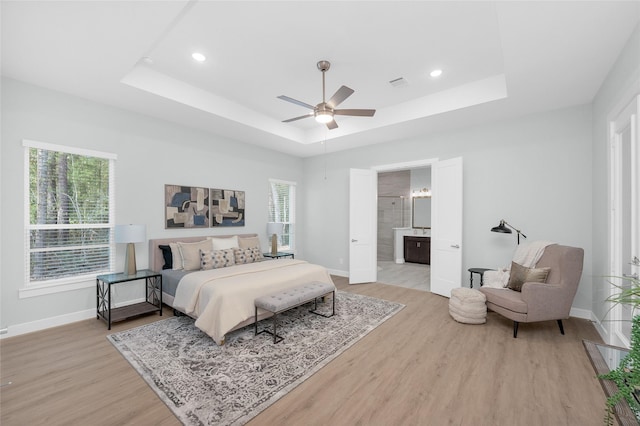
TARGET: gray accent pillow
(521,274)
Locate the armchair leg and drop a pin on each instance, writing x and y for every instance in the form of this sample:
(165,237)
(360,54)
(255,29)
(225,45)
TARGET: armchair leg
(515,329)
(561,327)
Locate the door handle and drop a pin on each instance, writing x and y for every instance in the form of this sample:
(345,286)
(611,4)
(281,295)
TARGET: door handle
(354,241)
(455,246)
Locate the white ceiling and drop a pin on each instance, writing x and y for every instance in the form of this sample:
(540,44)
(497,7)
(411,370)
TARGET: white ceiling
(499,60)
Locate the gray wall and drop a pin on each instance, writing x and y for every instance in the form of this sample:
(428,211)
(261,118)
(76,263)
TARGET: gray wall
(622,82)
(533,171)
(151,153)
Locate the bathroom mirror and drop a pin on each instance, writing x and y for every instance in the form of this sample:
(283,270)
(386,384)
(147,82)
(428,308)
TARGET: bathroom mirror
(421,212)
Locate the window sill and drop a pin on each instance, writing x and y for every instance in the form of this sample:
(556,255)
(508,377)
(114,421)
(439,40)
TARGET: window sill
(59,287)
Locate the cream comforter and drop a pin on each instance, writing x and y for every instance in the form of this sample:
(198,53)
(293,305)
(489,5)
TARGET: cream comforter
(220,299)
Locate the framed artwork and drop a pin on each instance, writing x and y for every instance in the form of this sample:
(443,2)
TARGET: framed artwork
(227,207)
(186,206)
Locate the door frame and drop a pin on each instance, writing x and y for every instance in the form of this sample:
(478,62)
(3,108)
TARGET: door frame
(630,108)
(393,167)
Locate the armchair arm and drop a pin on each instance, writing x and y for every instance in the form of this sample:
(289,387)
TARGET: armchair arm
(546,301)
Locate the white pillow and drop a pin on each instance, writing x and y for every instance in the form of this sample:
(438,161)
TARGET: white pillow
(225,243)
(496,279)
(176,257)
(191,254)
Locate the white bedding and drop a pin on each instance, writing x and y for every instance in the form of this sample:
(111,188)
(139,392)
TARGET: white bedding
(220,299)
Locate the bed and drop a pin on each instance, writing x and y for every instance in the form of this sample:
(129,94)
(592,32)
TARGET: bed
(221,298)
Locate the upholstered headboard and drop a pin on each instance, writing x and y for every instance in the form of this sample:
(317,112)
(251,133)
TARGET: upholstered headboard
(156,260)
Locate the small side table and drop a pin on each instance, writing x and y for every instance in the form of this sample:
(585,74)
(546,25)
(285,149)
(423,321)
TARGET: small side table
(278,255)
(479,271)
(153,303)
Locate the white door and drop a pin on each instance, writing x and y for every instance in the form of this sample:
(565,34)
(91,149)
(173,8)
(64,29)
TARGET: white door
(624,213)
(363,192)
(446,226)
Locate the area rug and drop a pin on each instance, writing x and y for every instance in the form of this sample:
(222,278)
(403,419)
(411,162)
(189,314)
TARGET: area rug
(206,384)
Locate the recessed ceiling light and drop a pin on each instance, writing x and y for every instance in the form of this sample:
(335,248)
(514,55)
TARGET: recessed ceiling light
(435,73)
(198,57)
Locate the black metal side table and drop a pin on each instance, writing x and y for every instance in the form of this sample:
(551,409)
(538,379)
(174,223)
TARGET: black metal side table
(479,271)
(278,255)
(153,302)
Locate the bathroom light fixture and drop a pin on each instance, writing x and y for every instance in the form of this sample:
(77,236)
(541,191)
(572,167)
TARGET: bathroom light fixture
(436,73)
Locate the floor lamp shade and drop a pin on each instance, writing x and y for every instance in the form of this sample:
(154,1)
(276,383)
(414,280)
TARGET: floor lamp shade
(274,229)
(505,228)
(129,235)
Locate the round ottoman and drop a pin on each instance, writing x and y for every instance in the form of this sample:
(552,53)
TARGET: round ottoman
(468,306)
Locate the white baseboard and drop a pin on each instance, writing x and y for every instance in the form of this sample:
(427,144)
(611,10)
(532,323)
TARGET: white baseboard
(43,324)
(581,313)
(338,272)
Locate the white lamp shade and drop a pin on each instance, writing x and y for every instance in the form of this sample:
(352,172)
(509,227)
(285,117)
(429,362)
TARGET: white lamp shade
(130,233)
(275,228)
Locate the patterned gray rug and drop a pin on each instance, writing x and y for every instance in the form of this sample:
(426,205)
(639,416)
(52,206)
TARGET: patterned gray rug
(206,384)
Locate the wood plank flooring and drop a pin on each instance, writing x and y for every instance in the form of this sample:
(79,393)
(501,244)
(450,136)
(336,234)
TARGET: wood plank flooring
(418,368)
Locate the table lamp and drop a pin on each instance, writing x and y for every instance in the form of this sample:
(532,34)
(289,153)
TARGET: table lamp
(129,235)
(274,229)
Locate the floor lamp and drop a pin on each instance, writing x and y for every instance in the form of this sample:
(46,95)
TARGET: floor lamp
(505,228)
(129,235)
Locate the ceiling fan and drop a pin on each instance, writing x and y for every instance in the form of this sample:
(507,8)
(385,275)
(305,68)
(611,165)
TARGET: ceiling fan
(324,112)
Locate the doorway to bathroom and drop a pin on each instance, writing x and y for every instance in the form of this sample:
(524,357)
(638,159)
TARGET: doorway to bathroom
(403,242)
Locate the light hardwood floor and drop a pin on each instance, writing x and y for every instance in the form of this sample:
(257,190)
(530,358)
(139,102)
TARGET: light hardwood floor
(418,368)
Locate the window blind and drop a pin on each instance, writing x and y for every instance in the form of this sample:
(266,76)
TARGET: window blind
(70,209)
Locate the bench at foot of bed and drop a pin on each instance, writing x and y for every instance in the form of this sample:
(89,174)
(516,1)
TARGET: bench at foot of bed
(282,301)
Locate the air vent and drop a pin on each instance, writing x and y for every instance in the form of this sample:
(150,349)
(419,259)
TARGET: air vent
(397,82)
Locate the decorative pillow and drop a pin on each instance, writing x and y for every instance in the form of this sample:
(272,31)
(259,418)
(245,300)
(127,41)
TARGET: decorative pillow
(206,260)
(191,254)
(521,274)
(248,242)
(176,256)
(167,256)
(247,255)
(223,258)
(224,243)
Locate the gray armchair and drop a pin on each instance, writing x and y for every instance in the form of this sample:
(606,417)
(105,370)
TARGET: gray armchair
(542,301)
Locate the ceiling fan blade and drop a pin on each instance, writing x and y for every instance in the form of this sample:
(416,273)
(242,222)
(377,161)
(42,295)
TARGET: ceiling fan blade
(298,118)
(332,125)
(343,93)
(356,112)
(295,101)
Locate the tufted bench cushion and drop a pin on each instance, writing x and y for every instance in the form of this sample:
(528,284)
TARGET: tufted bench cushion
(468,306)
(286,299)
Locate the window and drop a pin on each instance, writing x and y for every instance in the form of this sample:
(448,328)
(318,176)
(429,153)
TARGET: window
(282,209)
(70,209)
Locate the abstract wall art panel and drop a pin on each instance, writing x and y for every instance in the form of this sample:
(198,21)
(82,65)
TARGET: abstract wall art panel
(227,207)
(186,206)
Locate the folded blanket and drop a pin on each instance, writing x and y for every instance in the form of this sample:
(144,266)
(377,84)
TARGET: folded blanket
(526,255)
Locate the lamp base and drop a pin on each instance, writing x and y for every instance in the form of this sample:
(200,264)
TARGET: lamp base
(274,244)
(130,260)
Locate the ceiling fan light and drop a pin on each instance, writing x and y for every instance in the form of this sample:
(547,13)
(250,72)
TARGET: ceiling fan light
(324,117)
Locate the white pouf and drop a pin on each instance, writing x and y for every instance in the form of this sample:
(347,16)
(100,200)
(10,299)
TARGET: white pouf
(468,306)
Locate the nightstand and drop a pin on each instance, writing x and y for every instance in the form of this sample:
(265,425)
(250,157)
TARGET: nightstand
(278,255)
(153,302)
